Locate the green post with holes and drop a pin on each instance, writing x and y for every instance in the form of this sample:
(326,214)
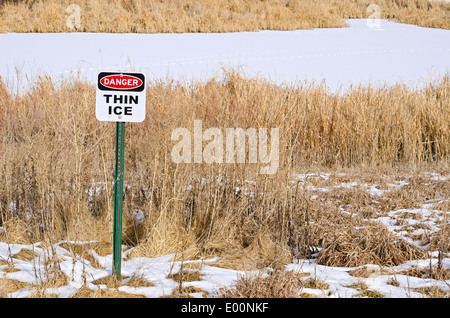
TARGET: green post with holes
(118,199)
(120,97)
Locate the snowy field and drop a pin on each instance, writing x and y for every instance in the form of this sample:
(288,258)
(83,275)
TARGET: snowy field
(375,51)
(30,263)
(365,52)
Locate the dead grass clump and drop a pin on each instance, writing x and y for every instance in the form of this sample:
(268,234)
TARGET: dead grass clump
(315,283)
(16,231)
(25,255)
(440,241)
(433,292)
(418,191)
(112,282)
(393,282)
(434,272)
(369,294)
(137,281)
(373,244)
(8,286)
(85,292)
(277,284)
(443,205)
(355,199)
(359,285)
(263,252)
(185,275)
(185,292)
(369,271)
(9,268)
(364,291)
(55,278)
(83,250)
(236,259)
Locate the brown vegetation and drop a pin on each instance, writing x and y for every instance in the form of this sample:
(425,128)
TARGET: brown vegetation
(285,284)
(159,16)
(57,163)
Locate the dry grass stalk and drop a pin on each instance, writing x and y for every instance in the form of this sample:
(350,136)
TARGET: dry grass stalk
(434,272)
(276,284)
(86,292)
(374,244)
(8,286)
(433,292)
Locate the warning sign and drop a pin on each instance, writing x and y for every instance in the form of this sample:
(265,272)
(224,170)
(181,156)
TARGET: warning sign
(120,97)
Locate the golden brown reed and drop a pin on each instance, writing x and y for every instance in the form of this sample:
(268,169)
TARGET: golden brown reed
(175,16)
(285,284)
(57,165)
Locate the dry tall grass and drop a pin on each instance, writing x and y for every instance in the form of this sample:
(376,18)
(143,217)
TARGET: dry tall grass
(158,16)
(57,165)
(285,284)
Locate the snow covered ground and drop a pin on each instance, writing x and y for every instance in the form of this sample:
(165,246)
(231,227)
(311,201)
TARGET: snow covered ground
(341,284)
(390,282)
(376,51)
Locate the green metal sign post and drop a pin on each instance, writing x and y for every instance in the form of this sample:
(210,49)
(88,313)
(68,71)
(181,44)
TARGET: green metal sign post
(120,97)
(118,199)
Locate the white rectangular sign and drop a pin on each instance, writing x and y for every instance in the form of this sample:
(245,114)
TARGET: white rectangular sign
(120,97)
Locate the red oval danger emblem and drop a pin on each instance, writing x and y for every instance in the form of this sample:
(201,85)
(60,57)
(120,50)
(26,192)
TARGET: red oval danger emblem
(121,81)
